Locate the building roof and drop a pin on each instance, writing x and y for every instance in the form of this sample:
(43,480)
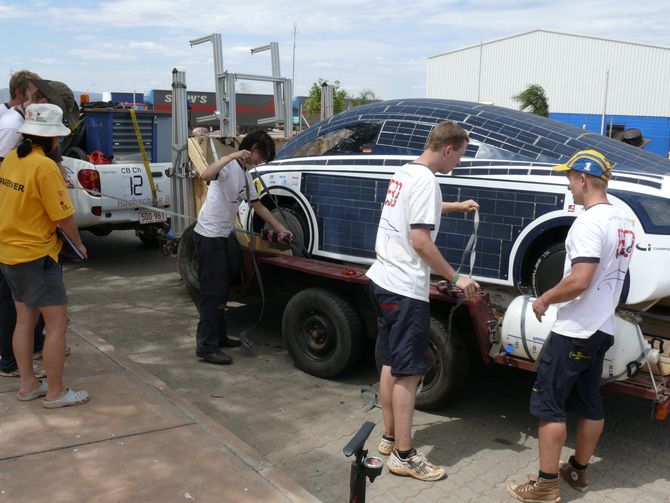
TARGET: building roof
(524,34)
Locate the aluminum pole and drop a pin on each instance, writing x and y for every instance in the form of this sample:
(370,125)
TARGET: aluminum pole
(182,191)
(602,122)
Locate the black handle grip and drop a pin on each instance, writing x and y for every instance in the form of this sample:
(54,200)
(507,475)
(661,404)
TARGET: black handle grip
(358,441)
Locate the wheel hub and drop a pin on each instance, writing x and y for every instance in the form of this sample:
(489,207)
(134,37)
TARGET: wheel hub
(318,335)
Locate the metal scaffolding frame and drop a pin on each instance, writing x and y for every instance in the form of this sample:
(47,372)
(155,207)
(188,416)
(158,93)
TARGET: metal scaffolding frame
(183,202)
(226,102)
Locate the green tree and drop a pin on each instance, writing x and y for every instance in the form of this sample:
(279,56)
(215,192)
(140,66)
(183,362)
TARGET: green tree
(312,104)
(364,97)
(534,100)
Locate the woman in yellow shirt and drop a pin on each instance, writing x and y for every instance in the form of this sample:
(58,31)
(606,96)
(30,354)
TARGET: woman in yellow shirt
(33,200)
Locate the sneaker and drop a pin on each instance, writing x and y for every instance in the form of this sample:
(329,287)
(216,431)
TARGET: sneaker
(416,465)
(386,446)
(576,478)
(38,354)
(230,343)
(37,370)
(535,490)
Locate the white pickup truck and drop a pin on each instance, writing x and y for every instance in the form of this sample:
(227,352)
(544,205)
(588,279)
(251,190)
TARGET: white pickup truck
(111,197)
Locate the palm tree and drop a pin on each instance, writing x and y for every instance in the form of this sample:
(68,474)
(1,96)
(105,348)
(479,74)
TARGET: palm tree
(364,97)
(533,100)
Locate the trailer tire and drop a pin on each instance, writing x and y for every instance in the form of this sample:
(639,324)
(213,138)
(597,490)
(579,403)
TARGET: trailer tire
(448,368)
(322,332)
(186,260)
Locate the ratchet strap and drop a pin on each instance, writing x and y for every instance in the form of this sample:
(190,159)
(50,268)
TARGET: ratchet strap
(470,251)
(145,161)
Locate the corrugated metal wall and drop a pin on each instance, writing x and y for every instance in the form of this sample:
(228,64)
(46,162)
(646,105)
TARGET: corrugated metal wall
(571,69)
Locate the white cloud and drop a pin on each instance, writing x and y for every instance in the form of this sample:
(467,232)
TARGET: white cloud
(146,46)
(98,54)
(47,61)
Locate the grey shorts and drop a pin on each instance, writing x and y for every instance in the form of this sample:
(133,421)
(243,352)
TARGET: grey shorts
(37,284)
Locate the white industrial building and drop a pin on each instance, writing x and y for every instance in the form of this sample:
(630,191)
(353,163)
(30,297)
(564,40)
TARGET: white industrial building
(584,78)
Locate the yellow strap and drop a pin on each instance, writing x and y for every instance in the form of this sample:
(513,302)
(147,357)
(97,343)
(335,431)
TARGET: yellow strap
(138,135)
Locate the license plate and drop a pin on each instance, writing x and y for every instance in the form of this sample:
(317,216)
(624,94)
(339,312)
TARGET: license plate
(152,217)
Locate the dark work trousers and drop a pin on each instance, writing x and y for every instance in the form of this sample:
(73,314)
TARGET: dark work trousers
(7,323)
(212,255)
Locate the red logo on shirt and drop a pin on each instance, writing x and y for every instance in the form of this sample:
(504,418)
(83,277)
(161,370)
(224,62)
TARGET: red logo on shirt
(393,193)
(626,242)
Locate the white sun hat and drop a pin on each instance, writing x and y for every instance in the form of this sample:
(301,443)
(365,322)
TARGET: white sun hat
(44,119)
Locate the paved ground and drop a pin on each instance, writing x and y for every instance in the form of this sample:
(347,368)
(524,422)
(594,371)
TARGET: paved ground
(133,298)
(136,440)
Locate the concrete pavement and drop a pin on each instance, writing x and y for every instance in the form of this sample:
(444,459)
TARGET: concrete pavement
(136,440)
(133,298)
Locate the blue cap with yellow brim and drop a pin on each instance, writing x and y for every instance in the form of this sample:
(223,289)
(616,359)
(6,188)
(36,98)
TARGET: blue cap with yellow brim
(590,162)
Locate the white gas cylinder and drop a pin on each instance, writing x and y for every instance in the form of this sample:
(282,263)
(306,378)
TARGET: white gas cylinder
(523,336)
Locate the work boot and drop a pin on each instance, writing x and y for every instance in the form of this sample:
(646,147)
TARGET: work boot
(536,490)
(217,357)
(573,476)
(415,465)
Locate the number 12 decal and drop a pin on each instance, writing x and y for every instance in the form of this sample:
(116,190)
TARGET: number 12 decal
(136,183)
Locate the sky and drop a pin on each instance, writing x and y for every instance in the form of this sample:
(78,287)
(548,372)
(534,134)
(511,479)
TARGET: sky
(133,45)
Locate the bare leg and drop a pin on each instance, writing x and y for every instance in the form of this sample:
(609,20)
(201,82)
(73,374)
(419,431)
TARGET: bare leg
(588,434)
(404,397)
(386,382)
(551,439)
(22,343)
(55,319)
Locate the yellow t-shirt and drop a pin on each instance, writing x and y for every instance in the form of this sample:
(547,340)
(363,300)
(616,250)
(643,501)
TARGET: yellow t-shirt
(33,196)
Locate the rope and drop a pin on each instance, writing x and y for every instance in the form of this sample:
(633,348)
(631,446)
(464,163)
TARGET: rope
(145,161)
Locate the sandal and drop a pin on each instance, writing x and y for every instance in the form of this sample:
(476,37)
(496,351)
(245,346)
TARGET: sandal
(41,390)
(69,398)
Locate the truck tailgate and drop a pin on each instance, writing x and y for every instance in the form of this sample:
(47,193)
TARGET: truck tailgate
(127,185)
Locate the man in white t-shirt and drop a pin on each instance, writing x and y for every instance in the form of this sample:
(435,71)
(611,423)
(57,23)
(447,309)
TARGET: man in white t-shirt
(18,84)
(598,251)
(399,285)
(230,184)
(11,113)
(10,121)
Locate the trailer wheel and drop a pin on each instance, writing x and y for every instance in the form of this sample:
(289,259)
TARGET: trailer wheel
(448,367)
(186,260)
(322,332)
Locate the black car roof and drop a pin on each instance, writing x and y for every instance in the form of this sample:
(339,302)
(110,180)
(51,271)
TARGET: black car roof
(406,125)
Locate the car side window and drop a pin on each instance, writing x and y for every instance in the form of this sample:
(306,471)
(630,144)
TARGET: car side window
(353,139)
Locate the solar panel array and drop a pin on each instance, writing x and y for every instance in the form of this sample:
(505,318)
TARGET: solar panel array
(406,125)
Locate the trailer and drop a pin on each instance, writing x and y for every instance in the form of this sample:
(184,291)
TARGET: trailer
(328,314)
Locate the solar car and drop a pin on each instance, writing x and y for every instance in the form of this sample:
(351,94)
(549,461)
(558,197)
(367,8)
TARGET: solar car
(331,180)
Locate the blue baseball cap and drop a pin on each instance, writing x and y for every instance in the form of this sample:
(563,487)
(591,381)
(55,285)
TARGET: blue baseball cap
(590,162)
